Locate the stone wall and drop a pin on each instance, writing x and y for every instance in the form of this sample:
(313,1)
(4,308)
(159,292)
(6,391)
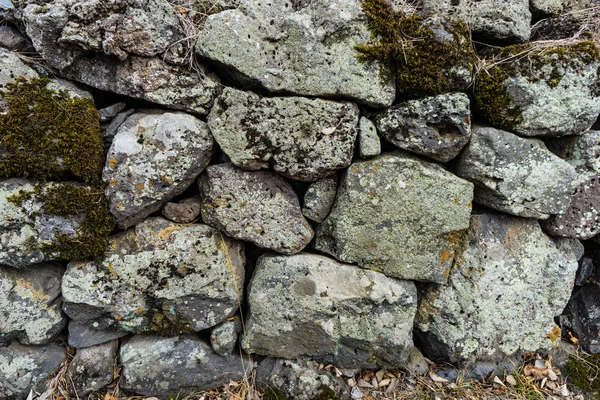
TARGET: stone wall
(192,190)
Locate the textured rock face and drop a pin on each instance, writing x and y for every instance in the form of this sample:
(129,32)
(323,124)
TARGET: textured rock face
(435,127)
(224,337)
(82,336)
(23,368)
(30,306)
(508,263)
(154,366)
(255,206)
(547,7)
(581,315)
(154,157)
(515,175)
(160,277)
(304,48)
(500,20)
(92,368)
(337,311)
(12,67)
(304,139)
(184,212)
(398,215)
(319,198)
(369,142)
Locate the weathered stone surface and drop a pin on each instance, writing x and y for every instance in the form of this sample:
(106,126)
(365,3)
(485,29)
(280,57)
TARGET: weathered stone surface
(154,157)
(11,68)
(254,206)
(110,130)
(184,212)
(436,127)
(108,113)
(502,295)
(304,48)
(581,315)
(310,305)
(304,139)
(319,198)
(398,215)
(154,366)
(82,336)
(224,337)
(120,47)
(547,7)
(23,368)
(92,368)
(160,277)
(499,20)
(30,304)
(368,140)
(515,175)
(12,39)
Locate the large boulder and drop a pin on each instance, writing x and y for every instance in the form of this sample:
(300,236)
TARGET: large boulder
(30,304)
(502,294)
(92,368)
(398,215)
(515,175)
(254,206)
(159,277)
(154,157)
(304,139)
(154,366)
(310,305)
(304,48)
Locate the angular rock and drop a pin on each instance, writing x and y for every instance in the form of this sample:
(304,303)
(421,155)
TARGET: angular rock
(502,296)
(398,215)
(184,212)
(30,304)
(159,277)
(154,157)
(254,206)
(547,7)
(92,368)
(224,337)
(154,366)
(435,127)
(13,40)
(108,113)
(586,270)
(303,48)
(368,140)
(23,368)
(303,139)
(310,305)
(319,198)
(581,315)
(82,336)
(515,175)
(112,128)
(497,20)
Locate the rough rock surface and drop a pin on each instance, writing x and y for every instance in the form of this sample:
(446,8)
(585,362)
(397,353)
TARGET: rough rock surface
(154,157)
(319,198)
(498,20)
(255,206)
(581,315)
(547,7)
(368,141)
(106,114)
(154,366)
(92,368)
(11,39)
(515,175)
(310,305)
(82,336)
(12,67)
(508,285)
(224,336)
(304,48)
(30,304)
(304,139)
(398,215)
(436,127)
(160,277)
(23,368)
(183,212)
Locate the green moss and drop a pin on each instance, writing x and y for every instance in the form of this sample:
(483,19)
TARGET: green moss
(272,393)
(166,327)
(493,101)
(408,45)
(326,393)
(47,135)
(584,373)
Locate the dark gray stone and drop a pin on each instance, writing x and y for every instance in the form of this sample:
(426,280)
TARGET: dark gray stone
(13,40)
(581,315)
(92,368)
(319,198)
(113,127)
(82,335)
(108,113)
(224,337)
(586,269)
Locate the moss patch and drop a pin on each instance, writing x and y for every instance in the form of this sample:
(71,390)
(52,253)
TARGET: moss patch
(272,393)
(326,393)
(584,373)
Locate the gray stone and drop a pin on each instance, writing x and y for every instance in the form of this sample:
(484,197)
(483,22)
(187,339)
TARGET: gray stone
(112,128)
(11,68)
(498,20)
(224,337)
(417,364)
(108,113)
(502,294)
(12,39)
(254,206)
(303,48)
(319,198)
(92,368)
(398,215)
(6,4)
(304,139)
(547,7)
(310,305)
(184,212)
(154,157)
(82,336)
(30,304)
(369,144)
(23,368)
(586,270)
(436,127)
(515,175)
(154,366)
(159,277)
(581,315)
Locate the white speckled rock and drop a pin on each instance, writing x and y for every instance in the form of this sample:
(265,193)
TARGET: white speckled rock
(159,277)
(310,305)
(319,198)
(92,368)
(502,296)
(369,144)
(515,175)
(154,157)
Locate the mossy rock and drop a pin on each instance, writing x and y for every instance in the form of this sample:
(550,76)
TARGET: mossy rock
(584,373)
